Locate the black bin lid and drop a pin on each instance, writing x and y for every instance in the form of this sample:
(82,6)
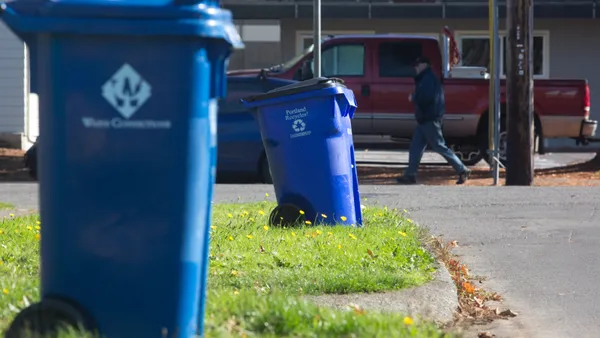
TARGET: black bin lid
(297,88)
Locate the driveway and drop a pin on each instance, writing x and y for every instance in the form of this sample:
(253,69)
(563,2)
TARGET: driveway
(538,246)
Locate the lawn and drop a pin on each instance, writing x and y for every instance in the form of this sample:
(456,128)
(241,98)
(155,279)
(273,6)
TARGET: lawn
(6,206)
(258,274)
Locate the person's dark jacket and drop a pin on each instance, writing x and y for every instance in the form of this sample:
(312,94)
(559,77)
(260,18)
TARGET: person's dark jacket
(428,97)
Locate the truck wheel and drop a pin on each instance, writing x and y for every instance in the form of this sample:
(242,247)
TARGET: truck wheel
(469,155)
(501,148)
(265,172)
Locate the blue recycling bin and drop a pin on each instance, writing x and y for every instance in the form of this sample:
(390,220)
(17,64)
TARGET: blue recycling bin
(128,114)
(307,134)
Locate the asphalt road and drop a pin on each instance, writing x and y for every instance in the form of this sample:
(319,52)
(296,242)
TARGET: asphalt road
(537,246)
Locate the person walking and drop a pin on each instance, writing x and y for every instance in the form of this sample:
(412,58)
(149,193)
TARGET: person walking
(429,102)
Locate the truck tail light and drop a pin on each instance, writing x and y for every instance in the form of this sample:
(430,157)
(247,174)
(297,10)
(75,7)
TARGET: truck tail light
(586,101)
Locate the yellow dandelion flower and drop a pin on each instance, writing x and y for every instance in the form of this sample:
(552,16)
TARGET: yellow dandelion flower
(293,234)
(409,220)
(352,236)
(319,232)
(236,292)
(234,272)
(406,212)
(408,321)
(323,215)
(330,233)
(301,212)
(308,222)
(380,214)
(37,227)
(266,228)
(11,215)
(38,236)
(1,231)
(249,236)
(5,291)
(343,218)
(339,246)
(261,212)
(29,228)
(38,222)
(230,238)
(230,215)
(266,194)
(213,227)
(403,234)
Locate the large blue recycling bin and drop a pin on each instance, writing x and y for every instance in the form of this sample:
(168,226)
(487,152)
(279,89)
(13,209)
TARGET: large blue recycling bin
(307,133)
(128,98)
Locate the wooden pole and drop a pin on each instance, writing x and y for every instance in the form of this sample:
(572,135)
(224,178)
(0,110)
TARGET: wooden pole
(519,92)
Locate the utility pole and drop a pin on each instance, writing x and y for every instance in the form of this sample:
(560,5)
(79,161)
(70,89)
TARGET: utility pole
(494,93)
(317,38)
(519,92)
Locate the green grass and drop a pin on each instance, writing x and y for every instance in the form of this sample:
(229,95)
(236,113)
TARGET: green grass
(6,206)
(258,274)
(385,254)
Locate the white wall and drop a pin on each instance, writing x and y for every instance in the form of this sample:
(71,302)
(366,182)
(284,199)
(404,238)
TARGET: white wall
(12,87)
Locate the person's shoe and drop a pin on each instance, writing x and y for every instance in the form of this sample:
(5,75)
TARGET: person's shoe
(464,176)
(406,180)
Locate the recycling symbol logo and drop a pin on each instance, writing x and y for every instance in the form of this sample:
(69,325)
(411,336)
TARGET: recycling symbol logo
(299,125)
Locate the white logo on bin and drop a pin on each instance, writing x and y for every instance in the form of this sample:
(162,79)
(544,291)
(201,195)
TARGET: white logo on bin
(126,91)
(297,116)
(299,125)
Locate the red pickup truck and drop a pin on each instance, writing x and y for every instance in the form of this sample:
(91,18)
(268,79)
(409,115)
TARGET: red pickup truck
(378,69)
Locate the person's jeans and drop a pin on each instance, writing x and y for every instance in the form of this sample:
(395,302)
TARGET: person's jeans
(430,133)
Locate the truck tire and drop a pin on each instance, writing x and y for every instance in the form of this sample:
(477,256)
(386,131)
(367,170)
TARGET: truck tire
(469,157)
(483,137)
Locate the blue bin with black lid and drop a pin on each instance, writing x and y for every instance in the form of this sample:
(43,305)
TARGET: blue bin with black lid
(307,134)
(128,114)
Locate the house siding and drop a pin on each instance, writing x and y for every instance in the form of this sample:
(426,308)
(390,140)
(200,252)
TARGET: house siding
(12,87)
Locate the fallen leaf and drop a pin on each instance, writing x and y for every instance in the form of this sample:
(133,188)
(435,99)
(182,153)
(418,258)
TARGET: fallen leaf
(507,313)
(370,253)
(478,301)
(485,334)
(454,244)
(262,249)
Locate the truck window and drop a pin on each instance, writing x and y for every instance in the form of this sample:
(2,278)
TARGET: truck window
(396,58)
(343,60)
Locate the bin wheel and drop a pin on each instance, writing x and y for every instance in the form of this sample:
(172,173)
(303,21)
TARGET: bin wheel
(286,215)
(45,318)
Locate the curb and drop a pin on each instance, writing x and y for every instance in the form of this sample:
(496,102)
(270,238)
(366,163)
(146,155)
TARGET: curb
(435,301)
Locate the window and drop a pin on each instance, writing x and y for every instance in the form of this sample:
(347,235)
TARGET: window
(343,60)
(396,58)
(304,39)
(538,55)
(475,51)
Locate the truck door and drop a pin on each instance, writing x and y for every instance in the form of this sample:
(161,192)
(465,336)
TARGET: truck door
(392,82)
(349,61)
